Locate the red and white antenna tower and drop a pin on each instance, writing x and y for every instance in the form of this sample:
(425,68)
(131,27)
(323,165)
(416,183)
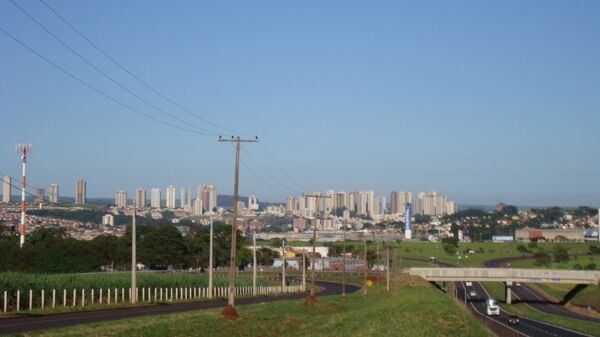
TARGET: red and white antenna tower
(23,148)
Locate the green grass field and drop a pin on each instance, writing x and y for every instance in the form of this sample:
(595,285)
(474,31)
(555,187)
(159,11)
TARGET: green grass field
(413,308)
(574,260)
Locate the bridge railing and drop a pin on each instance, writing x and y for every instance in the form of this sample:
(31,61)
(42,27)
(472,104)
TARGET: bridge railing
(508,274)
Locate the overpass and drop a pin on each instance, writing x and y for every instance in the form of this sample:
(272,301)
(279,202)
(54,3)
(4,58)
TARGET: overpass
(508,276)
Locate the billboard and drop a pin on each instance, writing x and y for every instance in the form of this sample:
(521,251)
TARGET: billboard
(503,238)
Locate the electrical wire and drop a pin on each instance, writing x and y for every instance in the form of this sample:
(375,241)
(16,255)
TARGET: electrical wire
(98,91)
(282,169)
(137,78)
(107,76)
(269,174)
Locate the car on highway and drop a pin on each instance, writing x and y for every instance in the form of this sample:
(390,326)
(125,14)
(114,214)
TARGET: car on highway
(492,308)
(513,319)
(469,284)
(472,293)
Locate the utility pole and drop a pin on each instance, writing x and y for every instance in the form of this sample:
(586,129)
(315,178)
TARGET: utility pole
(229,312)
(283,265)
(303,270)
(210,261)
(312,298)
(366,267)
(133,259)
(254,262)
(344,261)
(387,266)
(23,148)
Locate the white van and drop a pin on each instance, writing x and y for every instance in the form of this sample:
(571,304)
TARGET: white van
(491,307)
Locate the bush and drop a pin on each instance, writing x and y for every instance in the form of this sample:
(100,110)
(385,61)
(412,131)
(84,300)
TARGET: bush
(542,259)
(594,249)
(577,266)
(591,266)
(450,249)
(532,244)
(522,249)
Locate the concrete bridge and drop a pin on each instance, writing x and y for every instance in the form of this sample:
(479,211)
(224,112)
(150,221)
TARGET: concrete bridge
(508,276)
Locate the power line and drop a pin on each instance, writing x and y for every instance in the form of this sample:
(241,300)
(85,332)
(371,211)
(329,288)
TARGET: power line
(98,91)
(137,78)
(282,169)
(107,76)
(269,174)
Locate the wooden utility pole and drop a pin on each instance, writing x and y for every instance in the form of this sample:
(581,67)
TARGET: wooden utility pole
(210,261)
(344,261)
(283,265)
(312,298)
(366,267)
(387,266)
(133,260)
(229,312)
(303,270)
(254,263)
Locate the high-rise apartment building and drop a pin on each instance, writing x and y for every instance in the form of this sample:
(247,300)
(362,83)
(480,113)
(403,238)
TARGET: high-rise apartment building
(171,194)
(6,189)
(197,206)
(186,198)
(121,199)
(80,192)
(208,195)
(155,198)
(40,195)
(291,204)
(53,195)
(140,198)
(253,203)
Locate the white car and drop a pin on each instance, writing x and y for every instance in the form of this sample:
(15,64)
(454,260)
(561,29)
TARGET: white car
(469,284)
(472,293)
(492,308)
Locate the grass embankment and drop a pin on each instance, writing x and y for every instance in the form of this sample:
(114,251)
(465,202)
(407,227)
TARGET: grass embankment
(496,290)
(412,308)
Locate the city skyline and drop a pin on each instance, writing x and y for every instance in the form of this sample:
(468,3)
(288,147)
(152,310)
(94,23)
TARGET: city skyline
(393,101)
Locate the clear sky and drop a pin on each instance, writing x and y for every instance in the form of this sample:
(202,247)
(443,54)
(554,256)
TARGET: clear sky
(485,101)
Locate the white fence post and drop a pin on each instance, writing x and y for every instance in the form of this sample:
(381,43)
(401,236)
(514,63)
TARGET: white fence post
(5,301)
(30,299)
(92,296)
(64,297)
(82,297)
(18,300)
(108,297)
(122,295)
(100,297)
(74,297)
(116,296)
(42,302)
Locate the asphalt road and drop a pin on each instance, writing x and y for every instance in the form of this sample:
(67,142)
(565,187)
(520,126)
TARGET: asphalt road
(526,294)
(526,327)
(14,325)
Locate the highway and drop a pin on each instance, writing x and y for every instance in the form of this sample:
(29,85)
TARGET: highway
(12,325)
(526,294)
(526,327)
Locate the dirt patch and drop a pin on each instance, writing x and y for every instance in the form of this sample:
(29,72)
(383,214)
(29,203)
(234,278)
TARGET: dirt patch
(230,313)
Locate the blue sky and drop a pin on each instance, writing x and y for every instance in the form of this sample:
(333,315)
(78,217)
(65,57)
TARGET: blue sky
(486,101)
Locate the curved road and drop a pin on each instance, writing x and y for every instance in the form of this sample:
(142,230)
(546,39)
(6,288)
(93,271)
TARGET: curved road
(24,324)
(534,299)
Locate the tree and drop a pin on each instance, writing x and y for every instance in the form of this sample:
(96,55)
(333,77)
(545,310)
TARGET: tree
(162,247)
(522,249)
(561,254)
(266,256)
(542,259)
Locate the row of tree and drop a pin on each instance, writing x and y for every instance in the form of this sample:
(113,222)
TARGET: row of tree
(49,250)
